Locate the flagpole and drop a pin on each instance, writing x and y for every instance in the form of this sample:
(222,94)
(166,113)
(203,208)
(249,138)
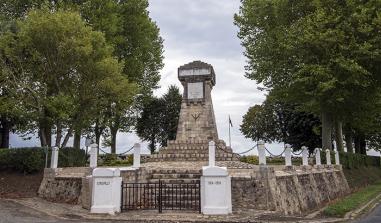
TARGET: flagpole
(230,140)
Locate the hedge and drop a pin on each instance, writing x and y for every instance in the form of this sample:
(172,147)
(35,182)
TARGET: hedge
(32,159)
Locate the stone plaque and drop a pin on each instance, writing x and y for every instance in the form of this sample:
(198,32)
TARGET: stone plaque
(194,72)
(196,90)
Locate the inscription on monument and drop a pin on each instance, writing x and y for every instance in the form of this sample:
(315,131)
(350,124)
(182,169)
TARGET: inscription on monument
(103,183)
(194,72)
(196,90)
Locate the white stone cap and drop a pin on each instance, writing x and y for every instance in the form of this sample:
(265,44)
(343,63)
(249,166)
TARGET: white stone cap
(106,172)
(214,171)
(127,168)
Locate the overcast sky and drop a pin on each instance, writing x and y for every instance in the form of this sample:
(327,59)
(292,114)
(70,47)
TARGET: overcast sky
(204,30)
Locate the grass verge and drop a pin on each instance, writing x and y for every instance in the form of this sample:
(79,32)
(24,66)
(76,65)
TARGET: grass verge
(353,201)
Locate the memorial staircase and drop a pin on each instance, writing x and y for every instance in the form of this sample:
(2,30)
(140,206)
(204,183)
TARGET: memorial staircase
(192,150)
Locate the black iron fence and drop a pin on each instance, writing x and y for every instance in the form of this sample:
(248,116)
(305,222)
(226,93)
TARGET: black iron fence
(161,196)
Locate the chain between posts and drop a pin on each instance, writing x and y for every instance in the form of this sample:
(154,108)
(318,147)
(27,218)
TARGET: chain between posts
(248,150)
(218,147)
(272,155)
(117,153)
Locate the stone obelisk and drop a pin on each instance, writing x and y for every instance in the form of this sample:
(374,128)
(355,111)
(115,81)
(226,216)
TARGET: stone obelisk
(197,124)
(197,119)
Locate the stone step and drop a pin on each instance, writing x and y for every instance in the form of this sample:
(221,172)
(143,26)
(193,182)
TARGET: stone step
(175,176)
(175,171)
(174,181)
(193,155)
(168,159)
(192,151)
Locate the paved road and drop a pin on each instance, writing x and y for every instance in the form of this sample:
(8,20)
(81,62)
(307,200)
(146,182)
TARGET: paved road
(372,217)
(11,212)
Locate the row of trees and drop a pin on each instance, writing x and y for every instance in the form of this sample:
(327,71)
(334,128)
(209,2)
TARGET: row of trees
(321,58)
(74,68)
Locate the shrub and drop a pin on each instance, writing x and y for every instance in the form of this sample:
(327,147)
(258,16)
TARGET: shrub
(113,160)
(71,157)
(32,159)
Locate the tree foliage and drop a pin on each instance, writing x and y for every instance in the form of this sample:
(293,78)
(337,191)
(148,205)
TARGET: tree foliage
(276,121)
(159,119)
(322,55)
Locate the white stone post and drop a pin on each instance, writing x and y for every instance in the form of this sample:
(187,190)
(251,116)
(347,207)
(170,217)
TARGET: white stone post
(328,156)
(215,191)
(305,155)
(337,158)
(54,157)
(106,191)
(136,155)
(287,155)
(212,153)
(261,152)
(93,155)
(317,157)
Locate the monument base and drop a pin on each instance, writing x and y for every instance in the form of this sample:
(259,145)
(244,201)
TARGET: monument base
(193,150)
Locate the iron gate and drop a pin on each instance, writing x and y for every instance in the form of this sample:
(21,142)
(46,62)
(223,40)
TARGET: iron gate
(161,196)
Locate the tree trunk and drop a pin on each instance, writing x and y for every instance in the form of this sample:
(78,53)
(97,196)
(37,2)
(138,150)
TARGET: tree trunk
(357,144)
(326,131)
(4,133)
(42,136)
(362,145)
(152,145)
(58,135)
(67,137)
(349,139)
(113,131)
(339,136)
(77,139)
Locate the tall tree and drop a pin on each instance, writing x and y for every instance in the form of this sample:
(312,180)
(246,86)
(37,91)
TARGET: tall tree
(56,64)
(149,125)
(322,55)
(170,117)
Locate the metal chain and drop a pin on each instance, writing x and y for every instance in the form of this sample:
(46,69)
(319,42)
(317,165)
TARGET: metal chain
(218,147)
(118,154)
(297,154)
(248,150)
(272,155)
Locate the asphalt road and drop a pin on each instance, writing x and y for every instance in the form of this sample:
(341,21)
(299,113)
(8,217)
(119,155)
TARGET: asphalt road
(12,212)
(373,217)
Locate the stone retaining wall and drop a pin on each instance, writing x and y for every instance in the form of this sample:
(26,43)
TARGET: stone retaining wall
(290,192)
(60,189)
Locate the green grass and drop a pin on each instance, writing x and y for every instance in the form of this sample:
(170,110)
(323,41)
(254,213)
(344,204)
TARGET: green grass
(353,201)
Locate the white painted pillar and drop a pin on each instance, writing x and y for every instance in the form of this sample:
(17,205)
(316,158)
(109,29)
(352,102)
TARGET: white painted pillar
(317,157)
(287,155)
(93,155)
(305,155)
(106,191)
(337,158)
(328,156)
(216,196)
(136,155)
(212,153)
(261,152)
(54,157)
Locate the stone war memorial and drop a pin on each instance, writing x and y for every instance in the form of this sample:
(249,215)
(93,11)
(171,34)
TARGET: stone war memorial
(197,172)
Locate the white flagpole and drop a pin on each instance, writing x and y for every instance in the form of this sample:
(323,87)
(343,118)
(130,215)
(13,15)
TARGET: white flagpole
(230,139)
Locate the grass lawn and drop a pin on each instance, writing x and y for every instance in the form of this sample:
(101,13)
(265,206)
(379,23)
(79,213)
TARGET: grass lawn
(353,201)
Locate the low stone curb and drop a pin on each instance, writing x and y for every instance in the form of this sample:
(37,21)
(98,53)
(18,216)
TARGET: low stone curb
(360,211)
(69,212)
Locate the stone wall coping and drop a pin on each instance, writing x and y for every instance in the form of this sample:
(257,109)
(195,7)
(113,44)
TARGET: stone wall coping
(214,171)
(106,172)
